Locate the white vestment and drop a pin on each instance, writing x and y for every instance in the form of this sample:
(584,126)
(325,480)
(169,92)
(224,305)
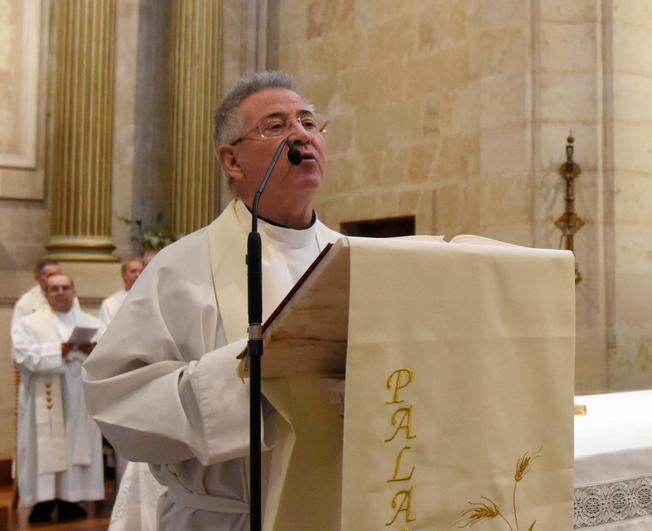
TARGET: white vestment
(110,306)
(162,383)
(30,301)
(65,460)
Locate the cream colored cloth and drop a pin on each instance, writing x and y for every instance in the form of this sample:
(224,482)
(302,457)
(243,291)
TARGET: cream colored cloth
(59,449)
(162,385)
(110,306)
(49,329)
(460,362)
(304,485)
(50,427)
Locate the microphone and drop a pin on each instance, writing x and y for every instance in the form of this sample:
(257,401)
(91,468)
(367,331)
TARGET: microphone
(294,155)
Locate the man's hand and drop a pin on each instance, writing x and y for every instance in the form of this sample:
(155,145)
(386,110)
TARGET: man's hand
(86,348)
(68,348)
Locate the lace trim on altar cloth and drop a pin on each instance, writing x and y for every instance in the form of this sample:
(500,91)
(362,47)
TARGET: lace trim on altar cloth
(612,502)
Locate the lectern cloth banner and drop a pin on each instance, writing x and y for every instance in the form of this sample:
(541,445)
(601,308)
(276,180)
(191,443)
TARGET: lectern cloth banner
(459,387)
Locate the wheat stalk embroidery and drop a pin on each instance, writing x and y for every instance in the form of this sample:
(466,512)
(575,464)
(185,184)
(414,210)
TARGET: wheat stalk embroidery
(489,509)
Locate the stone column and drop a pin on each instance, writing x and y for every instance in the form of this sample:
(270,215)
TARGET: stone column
(82,131)
(197,65)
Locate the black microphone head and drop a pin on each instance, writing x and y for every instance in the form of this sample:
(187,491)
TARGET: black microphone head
(294,156)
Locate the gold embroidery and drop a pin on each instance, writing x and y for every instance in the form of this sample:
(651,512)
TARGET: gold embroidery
(523,466)
(489,509)
(481,511)
(403,424)
(49,400)
(404,507)
(399,384)
(401,418)
(49,403)
(397,467)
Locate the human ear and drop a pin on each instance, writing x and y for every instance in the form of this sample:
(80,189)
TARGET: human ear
(227,157)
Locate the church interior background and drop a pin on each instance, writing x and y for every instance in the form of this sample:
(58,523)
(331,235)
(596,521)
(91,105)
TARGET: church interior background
(447,116)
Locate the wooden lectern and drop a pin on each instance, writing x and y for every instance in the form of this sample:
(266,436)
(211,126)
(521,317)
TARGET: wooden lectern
(459,361)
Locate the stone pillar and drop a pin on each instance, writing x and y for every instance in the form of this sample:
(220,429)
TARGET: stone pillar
(82,131)
(197,41)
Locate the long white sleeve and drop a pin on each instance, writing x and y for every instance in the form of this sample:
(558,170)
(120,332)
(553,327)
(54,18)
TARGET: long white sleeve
(156,384)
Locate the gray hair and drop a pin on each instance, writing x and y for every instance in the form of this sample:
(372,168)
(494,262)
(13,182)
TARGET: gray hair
(228,125)
(42,264)
(128,261)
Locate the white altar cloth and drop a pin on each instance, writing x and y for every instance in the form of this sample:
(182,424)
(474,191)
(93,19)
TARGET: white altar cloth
(613,462)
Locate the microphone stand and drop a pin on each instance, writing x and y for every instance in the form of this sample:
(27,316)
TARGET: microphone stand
(255,343)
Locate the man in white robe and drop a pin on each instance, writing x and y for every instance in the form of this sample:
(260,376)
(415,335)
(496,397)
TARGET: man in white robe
(59,447)
(162,383)
(130,271)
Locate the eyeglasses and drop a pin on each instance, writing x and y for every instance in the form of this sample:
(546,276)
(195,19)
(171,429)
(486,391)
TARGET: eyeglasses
(278,126)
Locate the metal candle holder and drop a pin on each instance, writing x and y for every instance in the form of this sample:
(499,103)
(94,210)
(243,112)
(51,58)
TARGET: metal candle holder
(569,222)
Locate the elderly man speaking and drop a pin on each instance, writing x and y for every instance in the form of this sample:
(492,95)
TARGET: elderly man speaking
(162,383)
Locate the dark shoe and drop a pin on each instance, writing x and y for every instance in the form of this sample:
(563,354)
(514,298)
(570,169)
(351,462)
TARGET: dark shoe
(41,512)
(70,511)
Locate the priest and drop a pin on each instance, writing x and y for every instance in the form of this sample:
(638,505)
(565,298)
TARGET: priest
(162,384)
(59,449)
(130,271)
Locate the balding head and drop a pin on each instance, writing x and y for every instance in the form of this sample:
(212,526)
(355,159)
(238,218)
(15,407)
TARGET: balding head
(131,270)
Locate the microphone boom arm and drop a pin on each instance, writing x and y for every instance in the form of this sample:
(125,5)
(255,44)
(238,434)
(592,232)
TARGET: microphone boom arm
(255,339)
(263,182)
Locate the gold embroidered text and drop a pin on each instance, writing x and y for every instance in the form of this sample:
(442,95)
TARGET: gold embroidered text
(401,420)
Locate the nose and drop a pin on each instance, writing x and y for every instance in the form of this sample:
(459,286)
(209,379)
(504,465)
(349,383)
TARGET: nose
(298,135)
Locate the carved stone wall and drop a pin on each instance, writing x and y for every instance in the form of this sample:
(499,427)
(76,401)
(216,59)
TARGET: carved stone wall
(628,167)
(457,111)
